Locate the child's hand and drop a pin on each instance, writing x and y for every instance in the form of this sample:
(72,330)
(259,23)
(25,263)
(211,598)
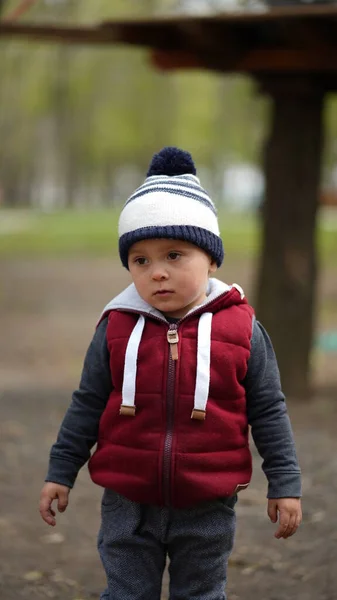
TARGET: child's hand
(289,512)
(50,492)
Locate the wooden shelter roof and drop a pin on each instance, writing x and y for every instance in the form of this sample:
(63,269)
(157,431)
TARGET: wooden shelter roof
(290,39)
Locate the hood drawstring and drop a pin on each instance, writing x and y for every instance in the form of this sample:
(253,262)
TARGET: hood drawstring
(130,370)
(203,366)
(201,392)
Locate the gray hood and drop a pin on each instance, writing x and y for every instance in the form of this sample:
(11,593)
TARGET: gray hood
(129,299)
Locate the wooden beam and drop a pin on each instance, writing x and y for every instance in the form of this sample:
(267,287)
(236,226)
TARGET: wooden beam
(169,61)
(54,33)
(305,35)
(289,60)
(216,37)
(255,62)
(201,48)
(230,43)
(161,32)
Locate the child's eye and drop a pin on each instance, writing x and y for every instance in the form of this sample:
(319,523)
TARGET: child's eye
(141,260)
(174,255)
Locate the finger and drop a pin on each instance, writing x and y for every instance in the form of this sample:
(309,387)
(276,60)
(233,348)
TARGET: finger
(272,512)
(283,524)
(46,512)
(291,527)
(62,501)
(298,520)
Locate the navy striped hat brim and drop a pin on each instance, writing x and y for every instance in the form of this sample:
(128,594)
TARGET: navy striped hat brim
(202,238)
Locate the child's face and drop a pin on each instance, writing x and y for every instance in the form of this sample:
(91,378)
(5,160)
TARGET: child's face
(171,275)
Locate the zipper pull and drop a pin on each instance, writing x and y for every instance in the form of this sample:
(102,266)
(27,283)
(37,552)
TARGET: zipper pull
(173,339)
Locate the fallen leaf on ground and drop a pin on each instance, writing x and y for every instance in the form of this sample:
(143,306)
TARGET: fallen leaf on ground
(33,575)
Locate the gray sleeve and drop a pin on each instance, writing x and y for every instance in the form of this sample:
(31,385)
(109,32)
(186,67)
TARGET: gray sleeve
(269,420)
(79,429)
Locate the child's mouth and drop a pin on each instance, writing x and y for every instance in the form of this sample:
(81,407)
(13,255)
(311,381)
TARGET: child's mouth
(163,293)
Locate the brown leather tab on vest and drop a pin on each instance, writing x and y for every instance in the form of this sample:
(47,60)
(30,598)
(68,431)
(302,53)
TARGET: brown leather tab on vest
(127,411)
(174,351)
(198,414)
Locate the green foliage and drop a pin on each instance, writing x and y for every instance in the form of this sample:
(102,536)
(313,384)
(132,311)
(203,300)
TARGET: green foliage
(65,233)
(62,233)
(73,114)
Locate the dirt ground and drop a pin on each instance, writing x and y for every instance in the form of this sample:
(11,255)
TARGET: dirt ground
(48,310)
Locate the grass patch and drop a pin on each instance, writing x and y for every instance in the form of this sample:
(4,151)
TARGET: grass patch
(68,233)
(63,233)
(94,233)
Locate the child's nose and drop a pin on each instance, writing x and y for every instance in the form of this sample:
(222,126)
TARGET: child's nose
(159,273)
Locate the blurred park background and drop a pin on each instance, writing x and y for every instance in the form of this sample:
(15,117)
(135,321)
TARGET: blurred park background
(78,127)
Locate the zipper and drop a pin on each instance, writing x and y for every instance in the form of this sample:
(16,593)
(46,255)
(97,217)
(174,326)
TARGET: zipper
(172,337)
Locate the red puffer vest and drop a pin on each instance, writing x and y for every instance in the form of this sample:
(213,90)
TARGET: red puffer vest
(154,452)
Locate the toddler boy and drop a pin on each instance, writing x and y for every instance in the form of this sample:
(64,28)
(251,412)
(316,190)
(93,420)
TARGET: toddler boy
(177,370)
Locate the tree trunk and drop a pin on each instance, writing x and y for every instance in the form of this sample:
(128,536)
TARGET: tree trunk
(287,275)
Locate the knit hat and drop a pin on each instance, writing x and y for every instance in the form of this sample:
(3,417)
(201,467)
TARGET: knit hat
(170,204)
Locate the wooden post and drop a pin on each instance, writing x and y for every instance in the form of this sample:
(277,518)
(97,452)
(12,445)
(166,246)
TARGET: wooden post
(287,274)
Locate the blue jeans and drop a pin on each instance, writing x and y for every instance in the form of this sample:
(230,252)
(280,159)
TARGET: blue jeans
(135,539)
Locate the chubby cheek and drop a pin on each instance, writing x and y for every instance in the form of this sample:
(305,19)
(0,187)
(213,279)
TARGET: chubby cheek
(192,285)
(141,286)
(143,290)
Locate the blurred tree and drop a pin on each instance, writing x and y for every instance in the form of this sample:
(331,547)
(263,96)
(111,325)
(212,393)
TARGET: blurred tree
(72,117)
(87,112)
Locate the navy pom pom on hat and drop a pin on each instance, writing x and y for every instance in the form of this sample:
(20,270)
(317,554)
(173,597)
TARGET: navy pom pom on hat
(170,204)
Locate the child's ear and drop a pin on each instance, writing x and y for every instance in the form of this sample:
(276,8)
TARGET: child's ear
(212,267)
